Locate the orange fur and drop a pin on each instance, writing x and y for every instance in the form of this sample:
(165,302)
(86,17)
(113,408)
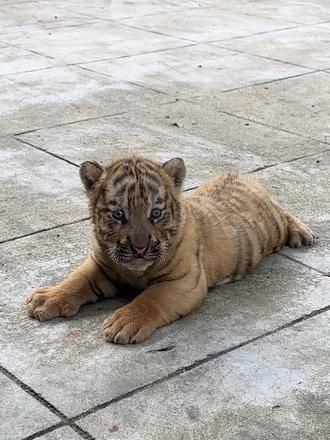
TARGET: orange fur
(217,233)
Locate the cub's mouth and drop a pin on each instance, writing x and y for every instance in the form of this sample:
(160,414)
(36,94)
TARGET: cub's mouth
(133,260)
(125,256)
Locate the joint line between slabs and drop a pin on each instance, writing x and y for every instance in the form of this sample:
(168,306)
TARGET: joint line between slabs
(294,159)
(64,124)
(45,230)
(263,124)
(184,191)
(46,151)
(66,420)
(46,430)
(129,17)
(293,26)
(264,83)
(241,37)
(245,52)
(147,87)
(80,66)
(120,57)
(302,264)
(199,362)
(244,118)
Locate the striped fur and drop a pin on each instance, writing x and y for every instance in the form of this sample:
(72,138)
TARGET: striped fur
(218,233)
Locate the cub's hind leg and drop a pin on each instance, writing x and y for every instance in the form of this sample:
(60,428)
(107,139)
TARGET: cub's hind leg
(298,233)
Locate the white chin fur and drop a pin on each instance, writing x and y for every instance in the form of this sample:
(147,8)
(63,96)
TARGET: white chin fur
(140,266)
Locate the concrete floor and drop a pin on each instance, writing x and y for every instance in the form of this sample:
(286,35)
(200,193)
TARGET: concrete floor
(226,84)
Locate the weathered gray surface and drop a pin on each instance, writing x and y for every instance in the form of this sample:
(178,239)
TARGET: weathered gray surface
(287,46)
(299,105)
(63,95)
(38,191)
(207,24)
(21,414)
(268,389)
(297,11)
(14,60)
(107,138)
(91,41)
(30,16)
(67,361)
(61,434)
(104,9)
(306,180)
(110,78)
(211,142)
(200,70)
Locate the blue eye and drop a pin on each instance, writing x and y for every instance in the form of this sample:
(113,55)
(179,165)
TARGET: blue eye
(118,214)
(155,214)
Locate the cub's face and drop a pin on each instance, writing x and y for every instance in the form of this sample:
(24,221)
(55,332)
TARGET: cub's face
(135,208)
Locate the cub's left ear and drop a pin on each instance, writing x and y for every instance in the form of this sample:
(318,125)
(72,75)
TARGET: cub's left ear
(90,172)
(176,170)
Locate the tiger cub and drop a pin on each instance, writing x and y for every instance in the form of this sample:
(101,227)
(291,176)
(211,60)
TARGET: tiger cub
(167,248)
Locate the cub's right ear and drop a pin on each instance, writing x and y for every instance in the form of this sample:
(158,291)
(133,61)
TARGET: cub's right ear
(90,172)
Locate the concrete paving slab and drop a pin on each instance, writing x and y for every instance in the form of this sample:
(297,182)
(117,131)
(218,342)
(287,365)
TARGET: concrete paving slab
(199,70)
(69,364)
(274,388)
(109,138)
(117,9)
(266,389)
(204,24)
(61,434)
(303,188)
(13,60)
(305,46)
(318,256)
(30,16)
(299,105)
(186,120)
(63,95)
(297,11)
(325,25)
(91,42)
(12,2)
(21,414)
(37,191)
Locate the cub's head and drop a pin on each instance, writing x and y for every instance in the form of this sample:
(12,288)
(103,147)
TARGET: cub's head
(135,205)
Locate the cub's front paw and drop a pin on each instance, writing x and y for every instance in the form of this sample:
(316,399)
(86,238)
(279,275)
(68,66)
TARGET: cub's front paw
(49,302)
(127,326)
